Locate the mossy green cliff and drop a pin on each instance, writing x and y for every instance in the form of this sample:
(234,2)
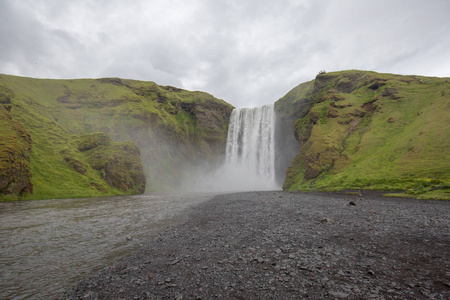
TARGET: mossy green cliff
(15,149)
(353,130)
(94,137)
(365,130)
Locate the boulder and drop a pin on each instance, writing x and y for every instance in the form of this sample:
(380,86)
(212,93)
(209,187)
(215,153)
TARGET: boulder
(119,164)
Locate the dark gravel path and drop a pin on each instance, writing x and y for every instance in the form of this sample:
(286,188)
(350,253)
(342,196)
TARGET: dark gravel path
(276,245)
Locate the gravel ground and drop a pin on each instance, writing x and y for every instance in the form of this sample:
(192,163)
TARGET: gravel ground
(277,245)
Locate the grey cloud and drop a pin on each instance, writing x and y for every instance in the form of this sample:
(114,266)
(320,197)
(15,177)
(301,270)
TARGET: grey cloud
(33,48)
(248,53)
(19,38)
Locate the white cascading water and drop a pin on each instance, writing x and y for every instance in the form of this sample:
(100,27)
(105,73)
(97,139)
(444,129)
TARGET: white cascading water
(250,155)
(250,152)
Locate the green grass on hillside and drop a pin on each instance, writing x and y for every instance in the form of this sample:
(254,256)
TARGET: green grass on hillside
(394,136)
(52,176)
(173,128)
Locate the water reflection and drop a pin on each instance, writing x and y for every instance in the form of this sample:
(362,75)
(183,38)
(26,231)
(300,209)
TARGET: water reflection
(48,245)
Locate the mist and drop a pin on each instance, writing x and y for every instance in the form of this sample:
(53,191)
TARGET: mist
(260,147)
(228,177)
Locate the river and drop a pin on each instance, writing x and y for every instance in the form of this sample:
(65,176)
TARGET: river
(46,246)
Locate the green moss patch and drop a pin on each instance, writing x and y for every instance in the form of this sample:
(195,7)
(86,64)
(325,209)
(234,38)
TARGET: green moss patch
(15,149)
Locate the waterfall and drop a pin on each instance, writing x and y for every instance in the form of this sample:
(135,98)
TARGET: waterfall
(250,155)
(250,151)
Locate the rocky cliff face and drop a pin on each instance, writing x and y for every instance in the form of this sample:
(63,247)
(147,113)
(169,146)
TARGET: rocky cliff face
(364,130)
(172,130)
(15,149)
(119,164)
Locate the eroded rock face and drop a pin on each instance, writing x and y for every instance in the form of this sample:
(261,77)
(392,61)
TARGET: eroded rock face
(213,118)
(15,149)
(119,164)
(123,169)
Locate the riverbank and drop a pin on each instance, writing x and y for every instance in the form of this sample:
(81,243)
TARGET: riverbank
(47,246)
(277,245)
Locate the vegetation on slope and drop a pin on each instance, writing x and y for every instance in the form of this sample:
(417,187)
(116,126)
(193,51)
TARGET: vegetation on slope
(364,130)
(171,128)
(15,148)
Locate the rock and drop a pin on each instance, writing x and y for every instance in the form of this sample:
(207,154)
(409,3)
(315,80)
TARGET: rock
(119,163)
(392,93)
(174,262)
(326,220)
(15,151)
(377,84)
(338,294)
(332,113)
(94,140)
(76,165)
(98,187)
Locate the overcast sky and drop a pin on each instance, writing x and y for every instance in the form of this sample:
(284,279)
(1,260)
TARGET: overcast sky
(247,52)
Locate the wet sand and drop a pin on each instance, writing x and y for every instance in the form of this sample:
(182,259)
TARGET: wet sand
(277,245)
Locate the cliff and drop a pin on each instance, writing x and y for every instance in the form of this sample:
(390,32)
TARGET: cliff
(365,130)
(15,149)
(109,136)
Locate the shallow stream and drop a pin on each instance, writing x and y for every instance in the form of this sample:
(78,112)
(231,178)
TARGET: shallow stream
(46,246)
